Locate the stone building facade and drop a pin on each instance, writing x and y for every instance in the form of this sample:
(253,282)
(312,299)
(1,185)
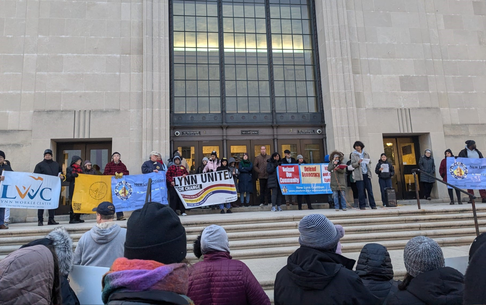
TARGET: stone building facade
(87,71)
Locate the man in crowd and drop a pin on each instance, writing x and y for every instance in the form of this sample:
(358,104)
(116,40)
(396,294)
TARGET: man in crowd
(153,165)
(470,151)
(104,243)
(51,168)
(260,166)
(116,166)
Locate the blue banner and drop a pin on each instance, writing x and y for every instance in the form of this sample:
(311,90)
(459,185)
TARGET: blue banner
(466,173)
(304,179)
(130,191)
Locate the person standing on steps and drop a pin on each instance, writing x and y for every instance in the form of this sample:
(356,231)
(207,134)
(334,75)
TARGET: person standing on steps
(289,199)
(272,184)
(361,162)
(338,179)
(213,163)
(72,173)
(235,172)
(116,166)
(245,185)
(427,165)
(470,151)
(224,167)
(300,161)
(385,171)
(4,166)
(153,165)
(201,167)
(260,166)
(88,168)
(51,168)
(176,170)
(443,173)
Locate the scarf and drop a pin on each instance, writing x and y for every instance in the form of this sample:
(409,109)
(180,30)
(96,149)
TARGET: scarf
(245,163)
(77,169)
(132,275)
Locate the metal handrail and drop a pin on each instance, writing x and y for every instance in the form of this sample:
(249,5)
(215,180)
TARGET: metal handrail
(471,196)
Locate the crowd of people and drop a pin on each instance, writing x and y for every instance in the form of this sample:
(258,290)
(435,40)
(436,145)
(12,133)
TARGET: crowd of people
(148,265)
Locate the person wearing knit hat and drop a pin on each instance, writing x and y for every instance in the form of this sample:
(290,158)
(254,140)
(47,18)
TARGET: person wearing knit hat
(288,159)
(427,165)
(152,165)
(176,170)
(427,280)
(443,173)
(4,166)
(219,279)
(245,181)
(51,168)
(315,274)
(116,168)
(471,151)
(337,168)
(300,161)
(200,169)
(152,270)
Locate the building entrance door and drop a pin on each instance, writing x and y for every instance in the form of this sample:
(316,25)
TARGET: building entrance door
(99,153)
(402,153)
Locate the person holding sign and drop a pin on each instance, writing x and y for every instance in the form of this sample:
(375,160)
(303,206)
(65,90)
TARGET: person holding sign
(114,168)
(72,173)
(224,167)
(51,168)
(385,171)
(272,183)
(360,160)
(338,179)
(4,166)
(443,173)
(300,161)
(176,170)
(470,151)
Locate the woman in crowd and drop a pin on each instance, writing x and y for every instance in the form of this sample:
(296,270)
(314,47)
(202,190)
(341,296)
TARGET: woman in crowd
(222,167)
(443,173)
(245,185)
(360,160)
(351,182)
(218,279)
(235,172)
(338,180)
(427,165)
(385,171)
(427,280)
(202,166)
(114,167)
(300,161)
(376,271)
(88,168)
(176,170)
(272,182)
(213,163)
(72,173)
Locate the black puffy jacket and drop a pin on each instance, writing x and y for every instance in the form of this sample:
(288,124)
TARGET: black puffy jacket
(376,270)
(272,181)
(443,286)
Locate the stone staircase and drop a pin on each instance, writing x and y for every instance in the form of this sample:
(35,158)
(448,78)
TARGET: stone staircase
(264,239)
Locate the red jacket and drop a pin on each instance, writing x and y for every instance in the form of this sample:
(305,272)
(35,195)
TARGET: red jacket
(112,168)
(219,280)
(175,171)
(443,169)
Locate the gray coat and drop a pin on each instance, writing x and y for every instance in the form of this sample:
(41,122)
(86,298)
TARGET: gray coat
(358,173)
(427,165)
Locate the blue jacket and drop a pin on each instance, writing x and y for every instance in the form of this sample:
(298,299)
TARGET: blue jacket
(149,166)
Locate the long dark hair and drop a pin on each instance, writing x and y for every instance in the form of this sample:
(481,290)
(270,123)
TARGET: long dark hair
(197,246)
(406,281)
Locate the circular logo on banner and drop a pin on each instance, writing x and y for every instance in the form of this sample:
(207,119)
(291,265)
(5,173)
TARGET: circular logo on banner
(458,170)
(123,190)
(98,190)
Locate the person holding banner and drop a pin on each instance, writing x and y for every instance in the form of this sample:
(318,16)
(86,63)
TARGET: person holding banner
(289,160)
(300,161)
(224,167)
(213,163)
(427,165)
(152,165)
(201,167)
(443,174)
(114,167)
(51,168)
(88,168)
(71,173)
(360,160)
(176,170)
(4,166)
(470,151)
(272,183)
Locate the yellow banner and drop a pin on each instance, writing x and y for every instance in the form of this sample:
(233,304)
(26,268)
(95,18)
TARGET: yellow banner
(90,191)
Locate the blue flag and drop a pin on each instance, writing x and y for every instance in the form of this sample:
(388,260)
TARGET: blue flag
(130,191)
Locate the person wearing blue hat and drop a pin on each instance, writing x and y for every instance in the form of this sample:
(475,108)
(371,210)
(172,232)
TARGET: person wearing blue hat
(104,243)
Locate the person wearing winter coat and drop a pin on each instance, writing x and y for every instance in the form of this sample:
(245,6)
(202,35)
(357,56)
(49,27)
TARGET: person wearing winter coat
(153,269)
(300,161)
(475,279)
(219,279)
(427,280)
(223,167)
(362,175)
(287,159)
(51,168)
(272,182)
(213,163)
(470,151)
(176,170)
(341,232)
(427,165)
(201,167)
(235,172)
(101,245)
(385,171)
(245,183)
(152,165)
(88,168)
(376,270)
(72,172)
(260,167)
(338,180)
(114,167)
(315,274)
(443,173)
(4,166)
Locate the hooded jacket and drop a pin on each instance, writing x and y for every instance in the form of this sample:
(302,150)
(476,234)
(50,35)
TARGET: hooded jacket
(463,153)
(48,167)
(246,180)
(101,245)
(427,165)
(272,165)
(318,277)
(71,173)
(338,175)
(234,172)
(375,269)
(443,286)
(221,280)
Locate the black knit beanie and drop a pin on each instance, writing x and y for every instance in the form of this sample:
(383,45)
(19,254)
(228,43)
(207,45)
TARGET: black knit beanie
(155,232)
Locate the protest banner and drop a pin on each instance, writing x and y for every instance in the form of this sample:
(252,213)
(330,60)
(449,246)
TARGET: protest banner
(129,192)
(206,189)
(90,191)
(29,191)
(466,173)
(304,179)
